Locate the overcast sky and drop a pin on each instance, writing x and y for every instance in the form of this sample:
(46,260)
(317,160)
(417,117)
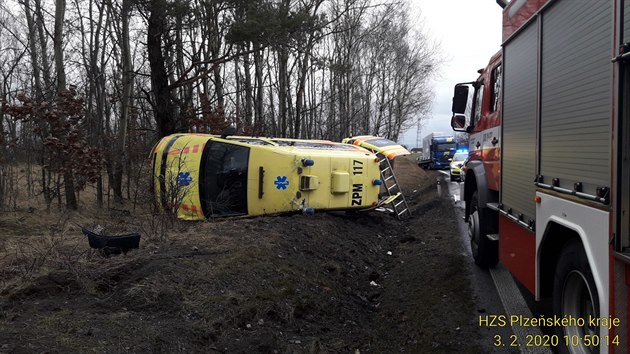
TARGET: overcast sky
(469,33)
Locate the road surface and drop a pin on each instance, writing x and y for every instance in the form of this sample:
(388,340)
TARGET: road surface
(496,294)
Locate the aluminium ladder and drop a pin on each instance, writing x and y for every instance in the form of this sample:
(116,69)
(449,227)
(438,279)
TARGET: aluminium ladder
(399,203)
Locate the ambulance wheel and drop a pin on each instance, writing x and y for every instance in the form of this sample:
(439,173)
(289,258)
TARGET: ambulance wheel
(484,252)
(575,296)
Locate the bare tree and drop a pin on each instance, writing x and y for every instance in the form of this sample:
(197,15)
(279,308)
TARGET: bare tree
(130,72)
(125,99)
(164,110)
(60,12)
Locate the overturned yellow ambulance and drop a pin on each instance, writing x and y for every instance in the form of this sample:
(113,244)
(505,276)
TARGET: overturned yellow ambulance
(199,176)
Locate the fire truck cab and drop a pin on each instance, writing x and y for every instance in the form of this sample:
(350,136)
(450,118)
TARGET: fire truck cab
(477,111)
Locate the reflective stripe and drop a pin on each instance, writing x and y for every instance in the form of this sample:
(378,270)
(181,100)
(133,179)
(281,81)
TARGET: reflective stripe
(186,150)
(393,152)
(186,207)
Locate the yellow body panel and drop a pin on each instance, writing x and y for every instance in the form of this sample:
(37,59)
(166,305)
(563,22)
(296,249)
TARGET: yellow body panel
(176,181)
(278,179)
(282,193)
(340,182)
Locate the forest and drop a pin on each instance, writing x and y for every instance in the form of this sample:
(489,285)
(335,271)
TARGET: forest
(88,87)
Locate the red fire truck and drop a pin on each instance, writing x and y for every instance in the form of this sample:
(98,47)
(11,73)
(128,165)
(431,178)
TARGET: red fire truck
(547,184)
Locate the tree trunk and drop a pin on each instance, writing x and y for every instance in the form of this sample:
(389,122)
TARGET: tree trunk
(283,88)
(127,81)
(44,48)
(68,180)
(90,41)
(299,100)
(163,105)
(237,103)
(60,11)
(215,47)
(247,86)
(32,41)
(260,90)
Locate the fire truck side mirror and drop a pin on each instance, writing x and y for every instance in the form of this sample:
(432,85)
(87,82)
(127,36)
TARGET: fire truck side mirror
(460,99)
(458,122)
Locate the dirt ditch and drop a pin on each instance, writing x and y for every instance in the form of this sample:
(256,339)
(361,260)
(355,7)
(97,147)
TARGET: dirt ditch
(329,283)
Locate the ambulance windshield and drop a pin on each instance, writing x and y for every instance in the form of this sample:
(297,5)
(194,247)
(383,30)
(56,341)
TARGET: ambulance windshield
(223,179)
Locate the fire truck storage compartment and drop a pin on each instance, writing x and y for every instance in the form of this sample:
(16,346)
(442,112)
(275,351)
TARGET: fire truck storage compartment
(623,147)
(519,123)
(576,94)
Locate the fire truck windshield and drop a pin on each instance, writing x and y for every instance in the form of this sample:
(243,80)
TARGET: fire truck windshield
(478,102)
(446,146)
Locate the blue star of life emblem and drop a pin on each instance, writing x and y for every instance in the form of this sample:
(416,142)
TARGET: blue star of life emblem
(184,179)
(281,182)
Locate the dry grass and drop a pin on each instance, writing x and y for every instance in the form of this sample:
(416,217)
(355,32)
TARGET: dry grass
(285,283)
(34,242)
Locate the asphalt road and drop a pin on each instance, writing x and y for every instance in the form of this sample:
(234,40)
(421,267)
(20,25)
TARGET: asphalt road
(497,294)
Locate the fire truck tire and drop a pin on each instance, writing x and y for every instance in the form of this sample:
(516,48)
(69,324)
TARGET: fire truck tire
(485,252)
(575,296)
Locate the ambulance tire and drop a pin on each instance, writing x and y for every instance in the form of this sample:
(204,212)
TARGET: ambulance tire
(575,296)
(485,252)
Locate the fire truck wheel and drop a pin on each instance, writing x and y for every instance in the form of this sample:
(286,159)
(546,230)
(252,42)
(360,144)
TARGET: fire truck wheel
(484,251)
(575,297)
